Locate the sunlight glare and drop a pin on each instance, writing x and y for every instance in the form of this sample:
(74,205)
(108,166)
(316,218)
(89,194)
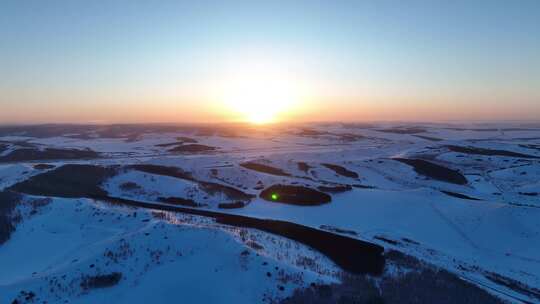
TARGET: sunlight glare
(260,94)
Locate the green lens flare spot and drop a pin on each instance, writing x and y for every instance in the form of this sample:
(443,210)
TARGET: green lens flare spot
(274,196)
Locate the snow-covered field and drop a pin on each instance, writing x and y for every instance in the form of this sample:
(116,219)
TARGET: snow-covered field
(470,204)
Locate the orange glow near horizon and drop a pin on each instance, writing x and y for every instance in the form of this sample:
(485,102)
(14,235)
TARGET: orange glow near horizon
(248,107)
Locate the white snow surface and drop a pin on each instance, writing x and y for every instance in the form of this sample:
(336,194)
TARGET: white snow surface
(187,257)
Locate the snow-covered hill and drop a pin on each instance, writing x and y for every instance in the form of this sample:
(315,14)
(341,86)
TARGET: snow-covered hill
(460,198)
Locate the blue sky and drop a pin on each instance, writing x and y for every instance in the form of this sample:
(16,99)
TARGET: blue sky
(154,60)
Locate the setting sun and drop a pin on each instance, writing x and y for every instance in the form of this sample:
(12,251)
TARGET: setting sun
(259,92)
(259,101)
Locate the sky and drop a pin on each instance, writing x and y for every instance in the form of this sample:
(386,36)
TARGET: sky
(214,61)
